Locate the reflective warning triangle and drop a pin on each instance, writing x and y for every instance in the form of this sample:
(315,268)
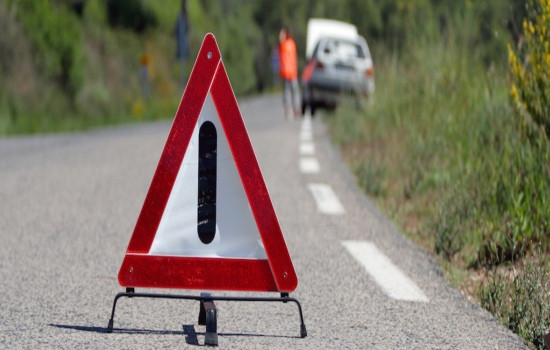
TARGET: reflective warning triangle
(207,221)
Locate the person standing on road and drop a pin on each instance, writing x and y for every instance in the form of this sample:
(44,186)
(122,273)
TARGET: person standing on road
(144,74)
(288,71)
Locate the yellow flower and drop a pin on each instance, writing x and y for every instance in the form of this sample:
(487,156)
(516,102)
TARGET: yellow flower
(514,92)
(138,108)
(511,55)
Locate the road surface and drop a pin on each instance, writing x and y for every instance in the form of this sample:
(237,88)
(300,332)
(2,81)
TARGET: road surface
(69,203)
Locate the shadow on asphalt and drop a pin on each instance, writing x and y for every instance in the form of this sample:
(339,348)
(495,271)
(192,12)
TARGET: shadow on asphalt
(191,336)
(116,330)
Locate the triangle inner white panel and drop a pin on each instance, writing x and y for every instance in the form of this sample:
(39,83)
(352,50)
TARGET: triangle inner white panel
(237,234)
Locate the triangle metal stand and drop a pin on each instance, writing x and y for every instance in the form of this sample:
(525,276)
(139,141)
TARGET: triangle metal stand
(207,313)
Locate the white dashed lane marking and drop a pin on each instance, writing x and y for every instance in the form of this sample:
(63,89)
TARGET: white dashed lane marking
(306,122)
(327,202)
(307,149)
(309,165)
(389,277)
(306,136)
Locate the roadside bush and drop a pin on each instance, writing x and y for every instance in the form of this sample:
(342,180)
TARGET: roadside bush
(518,297)
(55,34)
(131,14)
(450,225)
(237,36)
(530,67)
(514,212)
(7,39)
(460,175)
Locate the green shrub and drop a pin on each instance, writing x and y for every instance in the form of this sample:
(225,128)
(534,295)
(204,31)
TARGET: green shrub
(518,297)
(530,68)
(455,160)
(515,215)
(131,14)
(56,36)
(236,34)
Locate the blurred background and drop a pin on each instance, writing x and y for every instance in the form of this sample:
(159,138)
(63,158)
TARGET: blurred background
(69,64)
(453,146)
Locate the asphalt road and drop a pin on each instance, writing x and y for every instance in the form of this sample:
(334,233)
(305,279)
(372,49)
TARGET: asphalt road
(68,206)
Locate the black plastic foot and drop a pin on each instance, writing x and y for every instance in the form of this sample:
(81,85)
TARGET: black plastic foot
(303,331)
(211,336)
(202,311)
(110,326)
(208,316)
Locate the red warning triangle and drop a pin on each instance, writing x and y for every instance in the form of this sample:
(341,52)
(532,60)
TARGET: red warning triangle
(207,221)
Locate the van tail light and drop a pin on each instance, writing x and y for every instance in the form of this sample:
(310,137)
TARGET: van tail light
(319,65)
(308,71)
(369,72)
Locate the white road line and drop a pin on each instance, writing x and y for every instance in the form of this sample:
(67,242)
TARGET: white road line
(306,122)
(389,277)
(307,149)
(309,165)
(306,136)
(326,200)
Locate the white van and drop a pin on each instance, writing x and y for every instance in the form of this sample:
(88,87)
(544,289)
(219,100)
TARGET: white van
(339,62)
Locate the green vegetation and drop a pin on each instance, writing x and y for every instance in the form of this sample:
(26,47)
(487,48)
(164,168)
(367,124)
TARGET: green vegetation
(530,88)
(454,145)
(66,68)
(74,64)
(460,159)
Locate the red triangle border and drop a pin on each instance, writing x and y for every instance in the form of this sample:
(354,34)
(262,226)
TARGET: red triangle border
(139,269)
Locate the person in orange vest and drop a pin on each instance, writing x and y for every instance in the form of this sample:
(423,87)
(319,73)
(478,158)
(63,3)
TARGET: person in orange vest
(288,72)
(144,74)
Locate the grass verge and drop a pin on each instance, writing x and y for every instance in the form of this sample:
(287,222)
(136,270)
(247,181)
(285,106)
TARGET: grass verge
(444,154)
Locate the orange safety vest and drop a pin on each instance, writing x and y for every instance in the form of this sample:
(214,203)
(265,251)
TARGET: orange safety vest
(288,63)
